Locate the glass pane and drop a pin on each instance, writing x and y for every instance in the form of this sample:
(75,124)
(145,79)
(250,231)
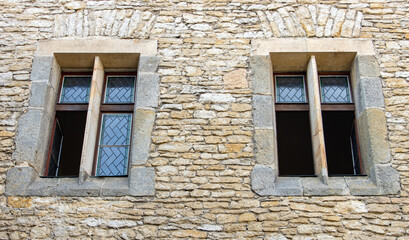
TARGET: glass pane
(114,144)
(75,89)
(116,129)
(55,151)
(120,89)
(335,89)
(113,161)
(290,89)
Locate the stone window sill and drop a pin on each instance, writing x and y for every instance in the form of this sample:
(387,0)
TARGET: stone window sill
(24,181)
(264,184)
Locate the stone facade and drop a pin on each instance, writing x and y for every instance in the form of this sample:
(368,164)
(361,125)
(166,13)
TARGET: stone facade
(203,147)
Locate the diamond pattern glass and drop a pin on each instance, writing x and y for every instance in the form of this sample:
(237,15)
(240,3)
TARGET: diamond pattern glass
(114,144)
(120,89)
(290,89)
(75,89)
(335,89)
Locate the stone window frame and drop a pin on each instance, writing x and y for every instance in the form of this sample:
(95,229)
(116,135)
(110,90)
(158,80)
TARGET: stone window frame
(35,125)
(356,56)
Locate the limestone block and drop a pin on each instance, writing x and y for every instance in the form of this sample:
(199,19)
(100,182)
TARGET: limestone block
(43,96)
(32,138)
(263,180)
(142,181)
(141,136)
(368,94)
(260,74)
(71,187)
(43,187)
(147,90)
(148,64)
(18,179)
(361,186)
(351,207)
(236,79)
(265,146)
(387,179)
(315,187)
(288,186)
(41,68)
(216,98)
(373,140)
(263,111)
(116,186)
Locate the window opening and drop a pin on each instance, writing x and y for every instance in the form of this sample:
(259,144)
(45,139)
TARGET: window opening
(293,127)
(69,127)
(338,115)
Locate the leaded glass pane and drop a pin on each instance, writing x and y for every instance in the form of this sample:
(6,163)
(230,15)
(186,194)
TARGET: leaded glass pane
(290,89)
(75,89)
(113,161)
(114,143)
(120,89)
(335,89)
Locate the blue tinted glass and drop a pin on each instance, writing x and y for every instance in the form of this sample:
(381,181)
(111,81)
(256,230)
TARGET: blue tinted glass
(290,89)
(120,89)
(335,89)
(114,143)
(75,89)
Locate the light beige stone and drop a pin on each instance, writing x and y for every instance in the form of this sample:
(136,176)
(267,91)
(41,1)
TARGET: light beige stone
(236,79)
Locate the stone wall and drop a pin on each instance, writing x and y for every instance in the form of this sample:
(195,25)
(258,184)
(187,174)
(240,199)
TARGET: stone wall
(203,150)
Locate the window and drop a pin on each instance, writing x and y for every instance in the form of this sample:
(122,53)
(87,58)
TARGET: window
(293,126)
(69,126)
(319,120)
(294,145)
(115,130)
(84,124)
(114,136)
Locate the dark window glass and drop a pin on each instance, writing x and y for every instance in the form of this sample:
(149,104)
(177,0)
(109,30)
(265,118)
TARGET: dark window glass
(114,144)
(290,89)
(75,89)
(55,152)
(120,89)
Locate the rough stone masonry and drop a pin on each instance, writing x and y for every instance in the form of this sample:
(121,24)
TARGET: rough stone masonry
(202,147)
